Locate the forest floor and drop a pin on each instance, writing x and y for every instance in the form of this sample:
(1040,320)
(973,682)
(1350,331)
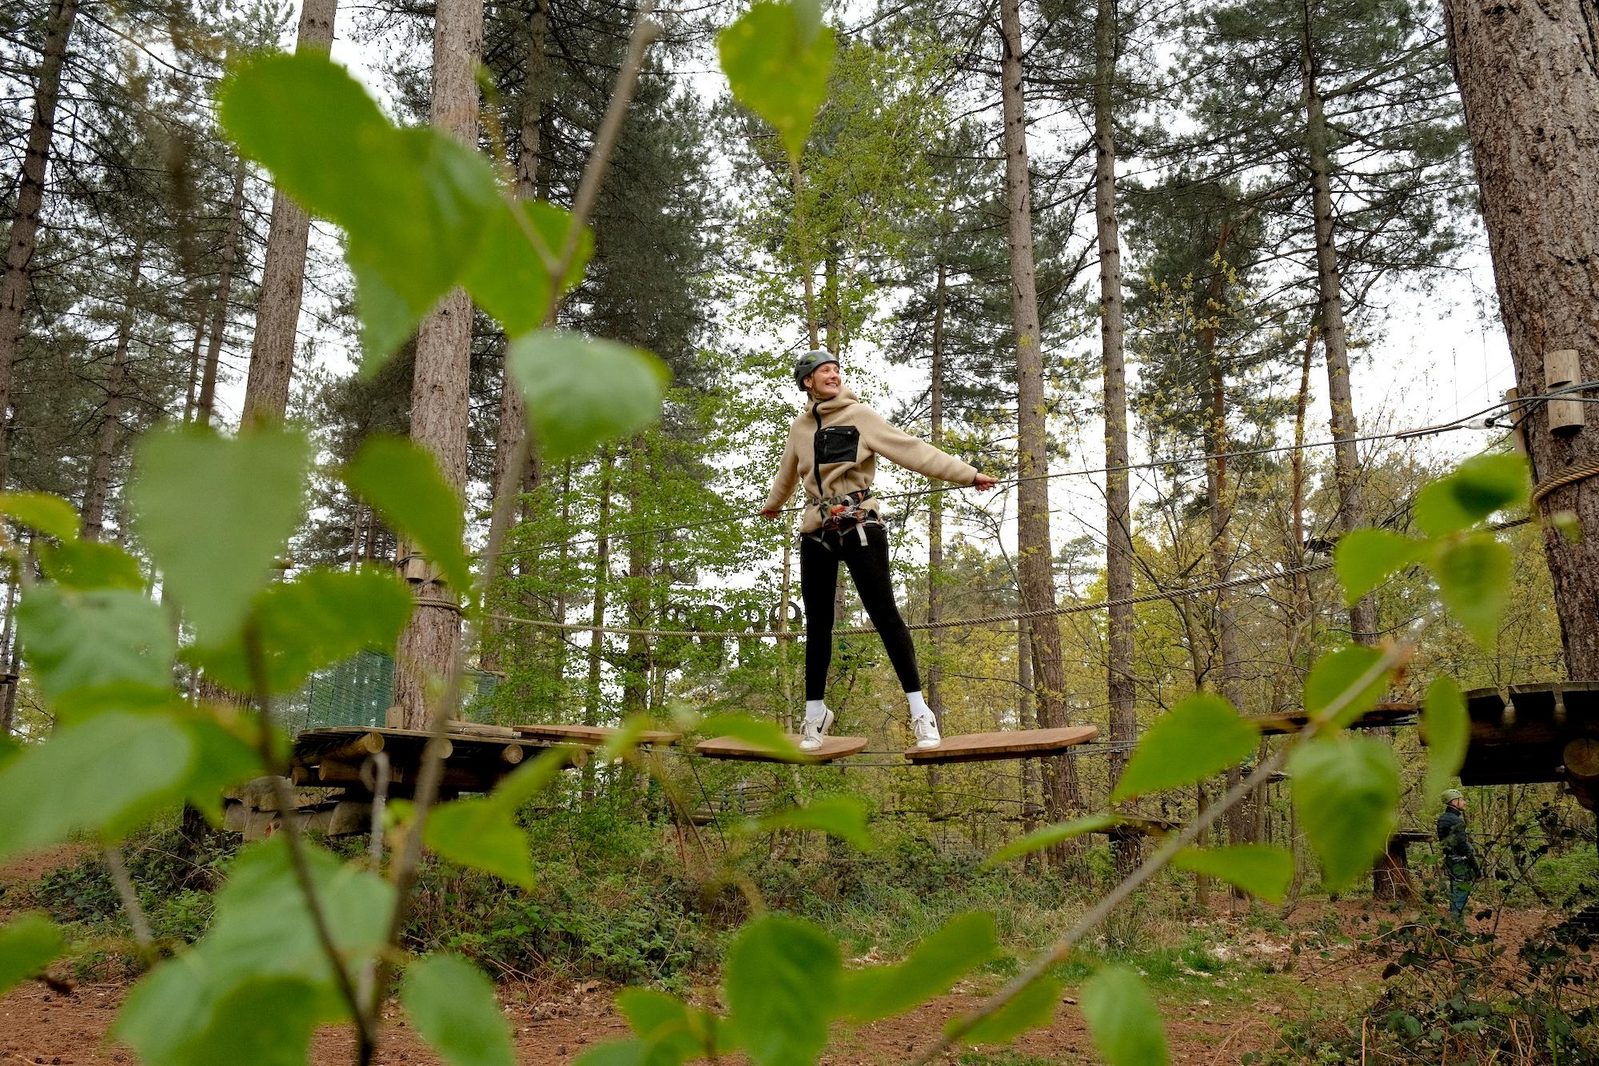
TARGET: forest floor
(1314,958)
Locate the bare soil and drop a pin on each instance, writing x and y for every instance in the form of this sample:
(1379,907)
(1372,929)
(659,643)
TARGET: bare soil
(556,1021)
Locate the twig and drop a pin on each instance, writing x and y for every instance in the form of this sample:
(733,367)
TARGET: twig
(403,874)
(130,902)
(1062,948)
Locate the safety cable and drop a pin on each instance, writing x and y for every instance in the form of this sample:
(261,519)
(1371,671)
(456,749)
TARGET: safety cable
(1463,422)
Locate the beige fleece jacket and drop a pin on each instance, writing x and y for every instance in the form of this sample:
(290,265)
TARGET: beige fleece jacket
(850,437)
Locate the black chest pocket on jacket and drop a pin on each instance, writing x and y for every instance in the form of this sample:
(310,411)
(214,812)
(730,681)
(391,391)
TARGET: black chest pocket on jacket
(837,444)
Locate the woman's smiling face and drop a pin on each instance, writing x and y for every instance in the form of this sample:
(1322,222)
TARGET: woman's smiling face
(825,381)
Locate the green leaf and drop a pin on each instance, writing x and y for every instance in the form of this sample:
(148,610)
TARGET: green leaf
(28,943)
(1346,796)
(672,1031)
(261,930)
(1123,1018)
(840,816)
(510,276)
(1446,727)
(1473,575)
(215,514)
(266,1021)
(1050,835)
(89,564)
(225,755)
(756,732)
(1201,736)
(403,481)
(1480,486)
(104,775)
(320,618)
(1259,869)
(50,515)
(1365,558)
(782,981)
(777,59)
(414,203)
(482,834)
(582,392)
(1031,1008)
(451,1003)
(531,778)
(1335,675)
(964,942)
(89,649)
(622,1053)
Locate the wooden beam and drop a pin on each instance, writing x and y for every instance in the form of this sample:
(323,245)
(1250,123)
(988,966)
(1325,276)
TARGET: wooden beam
(1008,744)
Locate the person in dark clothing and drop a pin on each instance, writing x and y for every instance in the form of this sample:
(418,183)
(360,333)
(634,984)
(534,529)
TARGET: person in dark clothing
(1460,858)
(832,451)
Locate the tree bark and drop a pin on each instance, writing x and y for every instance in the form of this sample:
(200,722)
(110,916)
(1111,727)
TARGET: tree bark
(1330,313)
(277,321)
(602,583)
(94,499)
(635,679)
(219,300)
(1035,576)
(15,284)
(933,681)
(439,389)
(1529,78)
(1118,494)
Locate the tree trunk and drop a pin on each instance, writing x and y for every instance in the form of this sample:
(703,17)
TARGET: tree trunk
(191,394)
(1118,494)
(15,284)
(1300,631)
(94,499)
(635,679)
(277,320)
(1330,312)
(439,389)
(933,681)
(602,582)
(219,301)
(9,647)
(1529,77)
(1035,579)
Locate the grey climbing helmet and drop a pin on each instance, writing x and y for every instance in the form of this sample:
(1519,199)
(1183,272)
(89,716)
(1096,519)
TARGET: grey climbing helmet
(809,363)
(1452,794)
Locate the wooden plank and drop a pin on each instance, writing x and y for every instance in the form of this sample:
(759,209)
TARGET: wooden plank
(733,748)
(1006,744)
(1380,716)
(481,729)
(594,735)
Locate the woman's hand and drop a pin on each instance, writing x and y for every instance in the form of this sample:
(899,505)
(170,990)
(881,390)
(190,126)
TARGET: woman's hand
(769,513)
(982,483)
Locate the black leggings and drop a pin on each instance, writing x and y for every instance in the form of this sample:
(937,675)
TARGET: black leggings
(868,567)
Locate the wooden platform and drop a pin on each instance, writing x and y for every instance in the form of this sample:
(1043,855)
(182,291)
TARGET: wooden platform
(590,735)
(1381,716)
(1006,744)
(733,748)
(472,762)
(1543,732)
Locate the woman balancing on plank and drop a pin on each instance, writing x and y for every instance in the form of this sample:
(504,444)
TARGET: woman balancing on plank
(832,452)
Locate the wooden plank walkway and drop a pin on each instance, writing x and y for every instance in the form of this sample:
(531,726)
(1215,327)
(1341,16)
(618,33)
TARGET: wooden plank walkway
(1381,716)
(733,748)
(1008,744)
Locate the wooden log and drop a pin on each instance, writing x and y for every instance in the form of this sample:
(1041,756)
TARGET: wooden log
(1006,744)
(512,754)
(473,777)
(1581,756)
(369,743)
(593,735)
(1380,716)
(481,729)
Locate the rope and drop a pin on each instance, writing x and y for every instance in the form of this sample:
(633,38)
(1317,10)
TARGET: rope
(957,623)
(1572,475)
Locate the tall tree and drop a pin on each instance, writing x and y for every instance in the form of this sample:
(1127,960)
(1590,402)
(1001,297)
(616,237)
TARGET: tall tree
(14,285)
(1529,78)
(440,391)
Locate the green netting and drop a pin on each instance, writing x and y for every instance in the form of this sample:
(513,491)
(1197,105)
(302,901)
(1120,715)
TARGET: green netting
(358,692)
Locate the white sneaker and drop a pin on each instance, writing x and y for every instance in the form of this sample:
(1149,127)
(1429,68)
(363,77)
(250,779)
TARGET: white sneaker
(814,730)
(926,729)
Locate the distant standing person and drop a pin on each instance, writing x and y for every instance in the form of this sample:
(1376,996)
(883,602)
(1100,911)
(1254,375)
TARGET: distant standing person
(1460,858)
(832,452)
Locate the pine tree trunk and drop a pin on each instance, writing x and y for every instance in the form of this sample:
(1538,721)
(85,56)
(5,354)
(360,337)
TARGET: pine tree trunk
(277,320)
(933,682)
(16,282)
(191,394)
(602,582)
(635,679)
(219,300)
(439,389)
(94,499)
(1118,495)
(1335,337)
(1529,77)
(1035,576)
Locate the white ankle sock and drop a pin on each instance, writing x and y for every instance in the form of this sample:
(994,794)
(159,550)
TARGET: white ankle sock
(815,710)
(919,707)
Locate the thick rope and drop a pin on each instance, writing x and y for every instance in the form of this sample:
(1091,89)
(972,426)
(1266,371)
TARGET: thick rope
(1570,476)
